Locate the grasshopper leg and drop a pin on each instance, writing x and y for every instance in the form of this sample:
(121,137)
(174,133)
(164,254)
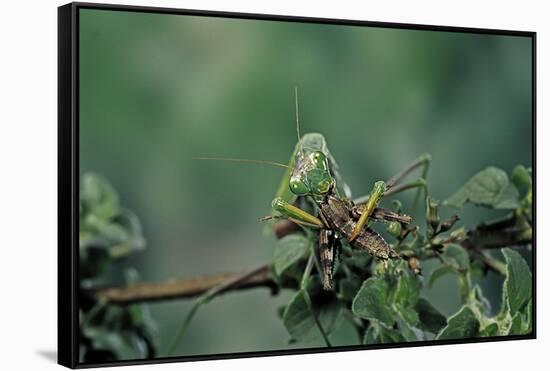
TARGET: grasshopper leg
(375,196)
(327,255)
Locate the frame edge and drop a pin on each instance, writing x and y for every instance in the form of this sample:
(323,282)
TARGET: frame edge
(68,328)
(67,321)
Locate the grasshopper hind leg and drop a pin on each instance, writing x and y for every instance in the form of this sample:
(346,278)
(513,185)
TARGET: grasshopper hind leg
(393,186)
(328,252)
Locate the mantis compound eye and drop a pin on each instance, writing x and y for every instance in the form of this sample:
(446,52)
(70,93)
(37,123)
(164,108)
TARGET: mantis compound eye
(298,187)
(318,176)
(319,159)
(324,186)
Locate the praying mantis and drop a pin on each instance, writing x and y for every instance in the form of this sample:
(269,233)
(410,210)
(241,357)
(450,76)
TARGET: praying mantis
(312,174)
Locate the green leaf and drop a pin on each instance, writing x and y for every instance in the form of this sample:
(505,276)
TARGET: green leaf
(98,196)
(516,326)
(387,336)
(459,234)
(299,321)
(439,272)
(371,336)
(131,223)
(479,300)
(521,323)
(120,343)
(407,290)
(476,269)
(458,256)
(93,261)
(408,315)
(349,287)
(464,284)
(517,286)
(461,325)
(357,258)
(297,317)
(418,242)
(371,302)
(490,330)
(405,297)
(382,335)
(289,250)
(529,317)
(408,331)
(521,178)
(490,187)
(105,228)
(281,311)
(430,319)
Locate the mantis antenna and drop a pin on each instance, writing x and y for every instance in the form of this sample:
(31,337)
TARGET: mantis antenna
(298,119)
(272,163)
(296,110)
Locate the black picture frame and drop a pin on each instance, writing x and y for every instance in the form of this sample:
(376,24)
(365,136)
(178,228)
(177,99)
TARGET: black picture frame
(68,180)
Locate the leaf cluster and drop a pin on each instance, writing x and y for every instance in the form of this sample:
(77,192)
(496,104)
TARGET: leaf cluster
(385,301)
(107,234)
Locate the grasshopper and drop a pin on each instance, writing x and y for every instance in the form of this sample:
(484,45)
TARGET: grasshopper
(313,174)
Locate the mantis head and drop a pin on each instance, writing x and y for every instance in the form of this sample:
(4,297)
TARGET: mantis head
(311,176)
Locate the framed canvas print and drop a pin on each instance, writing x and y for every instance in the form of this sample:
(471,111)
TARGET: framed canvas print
(236,185)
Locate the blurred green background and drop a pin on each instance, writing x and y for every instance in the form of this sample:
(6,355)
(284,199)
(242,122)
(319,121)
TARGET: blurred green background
(157,90)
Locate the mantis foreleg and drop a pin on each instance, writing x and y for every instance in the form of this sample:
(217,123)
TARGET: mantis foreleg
(423,161)
(295,214)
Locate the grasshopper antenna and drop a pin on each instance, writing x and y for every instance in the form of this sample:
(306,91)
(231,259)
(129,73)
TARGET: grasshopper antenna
(272,163)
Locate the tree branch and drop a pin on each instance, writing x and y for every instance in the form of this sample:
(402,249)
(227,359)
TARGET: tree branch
(496,234)
(183,288)
(483,237)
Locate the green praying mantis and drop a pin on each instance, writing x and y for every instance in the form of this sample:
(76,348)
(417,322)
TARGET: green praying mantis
(313,175)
